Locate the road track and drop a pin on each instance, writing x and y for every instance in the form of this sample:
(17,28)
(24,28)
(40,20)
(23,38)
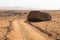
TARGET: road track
(24,31)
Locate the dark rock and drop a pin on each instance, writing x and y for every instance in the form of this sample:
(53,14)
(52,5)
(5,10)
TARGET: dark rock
(38,16)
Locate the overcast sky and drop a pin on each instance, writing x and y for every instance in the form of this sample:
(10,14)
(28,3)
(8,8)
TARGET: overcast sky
(39,4)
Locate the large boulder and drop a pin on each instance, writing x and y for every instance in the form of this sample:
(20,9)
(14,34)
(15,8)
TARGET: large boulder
(38,16)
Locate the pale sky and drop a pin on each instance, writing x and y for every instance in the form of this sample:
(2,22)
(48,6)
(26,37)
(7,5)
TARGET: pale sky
(39,4)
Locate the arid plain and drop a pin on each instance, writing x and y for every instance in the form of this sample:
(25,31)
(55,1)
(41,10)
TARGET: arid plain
(14,26)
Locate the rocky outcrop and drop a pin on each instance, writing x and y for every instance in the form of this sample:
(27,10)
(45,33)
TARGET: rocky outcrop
(38,16)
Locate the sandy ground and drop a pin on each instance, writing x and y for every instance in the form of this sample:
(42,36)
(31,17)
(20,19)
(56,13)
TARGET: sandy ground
(24,31)
(21,30)
(18,29)
(52,26)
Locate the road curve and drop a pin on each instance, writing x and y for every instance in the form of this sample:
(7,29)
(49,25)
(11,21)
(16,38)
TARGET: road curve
(24,31)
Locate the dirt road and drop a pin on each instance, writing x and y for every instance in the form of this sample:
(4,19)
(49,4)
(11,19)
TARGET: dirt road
(24,31)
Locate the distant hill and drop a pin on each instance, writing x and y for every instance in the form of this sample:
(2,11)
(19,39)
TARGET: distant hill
(16,8)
